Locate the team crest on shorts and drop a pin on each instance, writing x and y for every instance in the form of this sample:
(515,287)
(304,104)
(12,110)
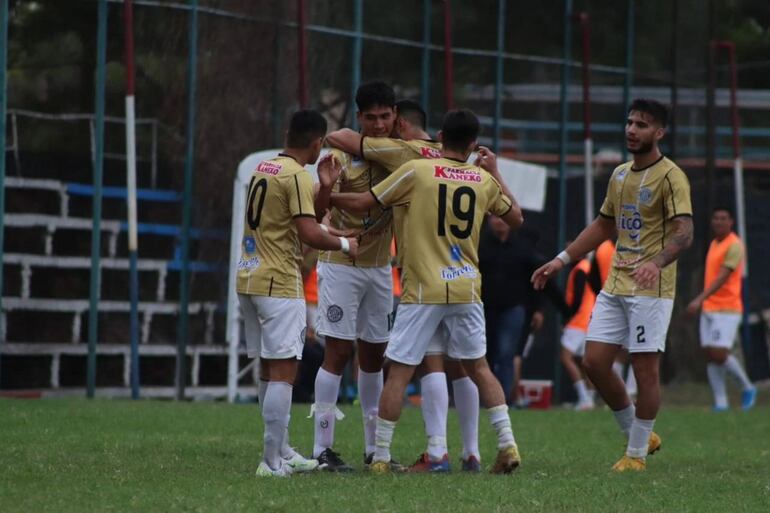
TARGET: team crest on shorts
(334,313)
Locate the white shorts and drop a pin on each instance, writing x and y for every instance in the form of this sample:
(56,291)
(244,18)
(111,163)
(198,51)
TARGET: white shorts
(638,323)
(574,340)
(439,342)
(462,324)
(274,326)
(718,329)
(354,302)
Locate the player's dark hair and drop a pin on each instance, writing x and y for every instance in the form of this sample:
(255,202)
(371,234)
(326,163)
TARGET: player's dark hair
(375,94)
(722,208)
(305,127)
(459,129)
(654,108)
(412,111)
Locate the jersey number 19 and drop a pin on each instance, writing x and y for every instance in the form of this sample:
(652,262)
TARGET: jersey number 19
(458,212)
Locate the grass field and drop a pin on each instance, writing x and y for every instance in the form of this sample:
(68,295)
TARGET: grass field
(110,455)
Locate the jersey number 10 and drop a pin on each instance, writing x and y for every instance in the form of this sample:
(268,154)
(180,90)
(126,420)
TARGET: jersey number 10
(253,215)
(458,212)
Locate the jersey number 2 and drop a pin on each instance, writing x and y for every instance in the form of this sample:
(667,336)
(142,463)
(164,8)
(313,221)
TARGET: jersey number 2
(457,210)
(254,213)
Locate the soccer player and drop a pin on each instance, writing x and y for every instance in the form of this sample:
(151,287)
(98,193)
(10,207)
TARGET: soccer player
(280,215)
(722,306)
(648,205)
(413,142)
(581,298)
(355,298)
(447,200)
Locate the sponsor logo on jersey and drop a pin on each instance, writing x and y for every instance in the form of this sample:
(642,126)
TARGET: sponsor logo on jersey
(452,273)
(269,168)
(645,195)
(430,153)
(627,262)
(623,249)
(248,264)
(621,174)
(455,253)
(459,175)
(630,221)
(249,245)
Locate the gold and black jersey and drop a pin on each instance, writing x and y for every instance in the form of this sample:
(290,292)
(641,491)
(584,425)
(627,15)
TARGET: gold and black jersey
(643,203)
(447,202)
(376,229)
(280,190)
(392,154)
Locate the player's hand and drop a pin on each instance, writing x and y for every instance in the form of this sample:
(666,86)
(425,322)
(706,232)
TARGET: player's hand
(329,169)
(353,252)
(544,273)
(537,321)
(486,160)
(694,306)
(646,275)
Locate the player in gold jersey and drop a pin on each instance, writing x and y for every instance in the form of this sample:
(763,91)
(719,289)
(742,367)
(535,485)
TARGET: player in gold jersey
(280,214)
(448,199)
(410,142)
(648,206)
(355,299)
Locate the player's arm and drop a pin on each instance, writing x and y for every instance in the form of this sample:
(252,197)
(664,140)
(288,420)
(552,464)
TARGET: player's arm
(329,170)
(346,140)
(697,302)
(487,160)
(317,236)
(732,260)
(598,231)
(676,201)
(353,201)
(648,273)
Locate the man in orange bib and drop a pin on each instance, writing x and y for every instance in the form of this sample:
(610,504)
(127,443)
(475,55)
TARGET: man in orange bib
(581,298)
(721,308)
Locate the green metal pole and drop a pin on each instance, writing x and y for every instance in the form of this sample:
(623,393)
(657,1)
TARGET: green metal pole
(425,85)
(629,78)
(563,142)
(3,106)
(96,239)
(358,20)
(184,278)
(499,73)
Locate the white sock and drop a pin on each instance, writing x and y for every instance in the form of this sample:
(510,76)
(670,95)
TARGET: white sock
(327,388)
(617,368)
(716,375)
(631,389)
(286,451)
(466,395)
(639,438)
(383,437)
(275,413)
(435,407)
(733,366)
(625,418)
(369,391)
(582,391)
(498,416)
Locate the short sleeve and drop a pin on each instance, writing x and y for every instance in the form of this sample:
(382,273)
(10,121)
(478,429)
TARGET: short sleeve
(389,153)
(396,188)
(608,207)
(299,190)
(676,194)
(499,204)
(734,256)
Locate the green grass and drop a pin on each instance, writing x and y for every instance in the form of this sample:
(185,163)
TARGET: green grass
(77,455)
